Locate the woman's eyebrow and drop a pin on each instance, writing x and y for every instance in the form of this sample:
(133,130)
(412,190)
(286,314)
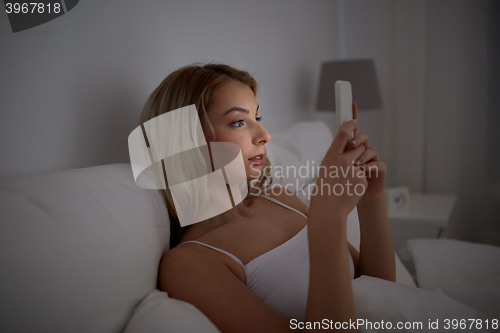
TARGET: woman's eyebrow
(238,109)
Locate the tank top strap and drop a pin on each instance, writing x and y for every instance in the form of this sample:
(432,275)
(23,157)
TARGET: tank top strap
(281,204)
(238,261)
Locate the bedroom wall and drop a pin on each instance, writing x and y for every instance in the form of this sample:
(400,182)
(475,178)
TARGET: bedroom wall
(72,89)
(439,78)
(382,30)
(459,109)
(360,34)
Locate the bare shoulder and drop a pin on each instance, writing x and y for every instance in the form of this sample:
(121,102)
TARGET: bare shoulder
(192,274)
(192,260)
(287,197)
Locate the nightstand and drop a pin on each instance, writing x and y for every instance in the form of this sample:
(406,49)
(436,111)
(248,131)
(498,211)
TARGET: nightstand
(427,217)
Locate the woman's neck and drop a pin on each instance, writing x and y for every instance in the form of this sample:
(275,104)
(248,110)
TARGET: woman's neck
(243,210)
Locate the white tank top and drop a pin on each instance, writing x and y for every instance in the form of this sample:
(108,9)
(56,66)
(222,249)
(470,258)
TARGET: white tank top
(280,277)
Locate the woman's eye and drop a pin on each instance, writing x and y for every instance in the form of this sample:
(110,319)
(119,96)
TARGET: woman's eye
(240,123)
(237,123)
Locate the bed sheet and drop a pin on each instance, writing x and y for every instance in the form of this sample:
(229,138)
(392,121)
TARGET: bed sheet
(418,310)
(467,272)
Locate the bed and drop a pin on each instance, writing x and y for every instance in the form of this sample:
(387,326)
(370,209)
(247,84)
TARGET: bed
(79,252)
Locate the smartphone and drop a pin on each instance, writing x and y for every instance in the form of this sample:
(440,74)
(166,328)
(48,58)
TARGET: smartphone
(343,103)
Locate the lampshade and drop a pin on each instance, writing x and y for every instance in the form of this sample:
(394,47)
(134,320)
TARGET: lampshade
(361,74)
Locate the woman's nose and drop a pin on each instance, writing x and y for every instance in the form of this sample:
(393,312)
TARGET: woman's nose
(262,136)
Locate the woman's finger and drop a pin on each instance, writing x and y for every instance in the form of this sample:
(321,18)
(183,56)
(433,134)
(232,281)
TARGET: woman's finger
(354,154)
(374,169)
(355,115)
(369,155)
(359,139)
(342,137)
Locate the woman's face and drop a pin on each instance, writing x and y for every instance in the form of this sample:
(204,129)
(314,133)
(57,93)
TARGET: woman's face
(234,116)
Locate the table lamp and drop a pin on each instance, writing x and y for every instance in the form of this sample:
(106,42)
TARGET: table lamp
(361,74)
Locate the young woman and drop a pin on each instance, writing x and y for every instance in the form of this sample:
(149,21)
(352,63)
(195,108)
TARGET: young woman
(272,259)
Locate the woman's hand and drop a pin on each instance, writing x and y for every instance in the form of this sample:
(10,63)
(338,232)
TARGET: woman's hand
(339,180)
(375,170)
(337,191)
(376,255)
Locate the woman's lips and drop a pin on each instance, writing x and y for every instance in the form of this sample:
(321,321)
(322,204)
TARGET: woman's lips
(259,159)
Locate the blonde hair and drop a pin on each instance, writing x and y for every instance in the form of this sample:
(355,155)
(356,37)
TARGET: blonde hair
(196,84)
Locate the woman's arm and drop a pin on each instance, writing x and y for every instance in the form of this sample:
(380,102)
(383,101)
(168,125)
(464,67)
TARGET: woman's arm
(330,287)
(376,254)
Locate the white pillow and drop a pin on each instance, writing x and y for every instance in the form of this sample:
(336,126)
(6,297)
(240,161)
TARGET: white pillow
(295,152)
(378,300)
(159,313)
(467,272)
(79,249)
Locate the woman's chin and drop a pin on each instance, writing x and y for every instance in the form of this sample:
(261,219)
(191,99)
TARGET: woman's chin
(253,173)
(252,177)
